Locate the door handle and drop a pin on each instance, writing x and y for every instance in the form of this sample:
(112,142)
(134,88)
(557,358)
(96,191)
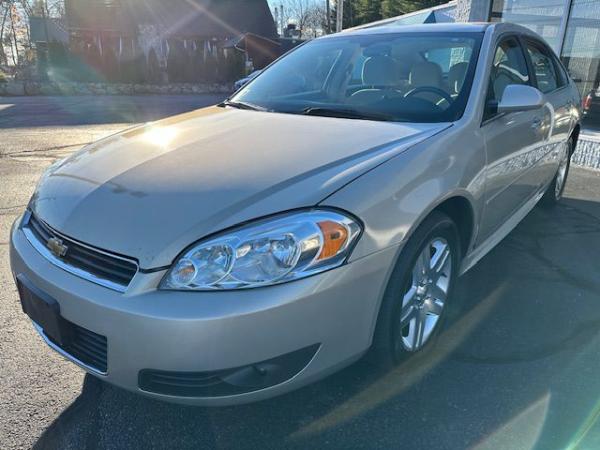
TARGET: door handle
(536,123)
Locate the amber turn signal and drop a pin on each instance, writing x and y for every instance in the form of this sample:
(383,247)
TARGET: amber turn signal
(335,236)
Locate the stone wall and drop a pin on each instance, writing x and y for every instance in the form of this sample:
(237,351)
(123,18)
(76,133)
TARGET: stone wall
(587,153)
(18,88)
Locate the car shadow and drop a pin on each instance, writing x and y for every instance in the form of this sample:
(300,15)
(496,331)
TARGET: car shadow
(517,368)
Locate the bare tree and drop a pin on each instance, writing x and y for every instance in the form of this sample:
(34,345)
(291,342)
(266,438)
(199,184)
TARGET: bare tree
(4,10)
(43,8)
(316,21)
(14,24)
(309,15)
(12,33)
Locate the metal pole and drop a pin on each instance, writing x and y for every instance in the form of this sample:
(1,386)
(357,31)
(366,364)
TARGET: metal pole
(340,16)
(563,28)
(327,7)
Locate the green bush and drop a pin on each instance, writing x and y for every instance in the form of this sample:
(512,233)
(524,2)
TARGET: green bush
(176,62)
(3,77)
(110,65)
(210,69)
(58,61)
(83,62)
(153,73)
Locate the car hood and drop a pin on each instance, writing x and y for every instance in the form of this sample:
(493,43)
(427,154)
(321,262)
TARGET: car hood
(151,191)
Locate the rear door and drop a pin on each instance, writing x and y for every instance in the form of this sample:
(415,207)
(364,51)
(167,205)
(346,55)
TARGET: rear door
(550,78)
(512,140)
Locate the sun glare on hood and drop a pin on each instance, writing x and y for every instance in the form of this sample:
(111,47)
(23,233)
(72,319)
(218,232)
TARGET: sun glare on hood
(159,136)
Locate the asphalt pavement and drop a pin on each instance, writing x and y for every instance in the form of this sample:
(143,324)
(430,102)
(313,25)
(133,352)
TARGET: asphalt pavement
(520,369)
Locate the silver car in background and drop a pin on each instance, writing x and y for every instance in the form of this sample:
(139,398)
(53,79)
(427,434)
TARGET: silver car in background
(323,212)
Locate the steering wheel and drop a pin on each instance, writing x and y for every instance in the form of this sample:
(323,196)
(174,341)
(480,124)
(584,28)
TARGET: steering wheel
(434,90)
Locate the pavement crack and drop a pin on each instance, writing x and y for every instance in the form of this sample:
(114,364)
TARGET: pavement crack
(42,151)
(5,208)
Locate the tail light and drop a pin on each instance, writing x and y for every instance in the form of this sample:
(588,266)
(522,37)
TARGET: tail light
(586,102)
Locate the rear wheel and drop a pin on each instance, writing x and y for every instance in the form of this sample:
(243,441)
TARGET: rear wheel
(419,293)
(556,189)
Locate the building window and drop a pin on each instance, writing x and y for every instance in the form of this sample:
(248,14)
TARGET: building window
(542,16)
(581,56)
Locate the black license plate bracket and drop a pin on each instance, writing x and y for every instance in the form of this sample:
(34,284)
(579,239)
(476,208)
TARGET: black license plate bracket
(43,310)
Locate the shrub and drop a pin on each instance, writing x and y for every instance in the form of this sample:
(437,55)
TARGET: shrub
(153,74)
(110,65)
(58,61)
(176,62)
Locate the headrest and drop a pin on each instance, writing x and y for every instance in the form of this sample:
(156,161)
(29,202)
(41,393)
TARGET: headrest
(379,71)
(456,76)
(425,74)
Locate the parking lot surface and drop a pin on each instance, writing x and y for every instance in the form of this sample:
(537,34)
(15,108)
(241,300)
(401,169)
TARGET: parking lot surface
(520,369)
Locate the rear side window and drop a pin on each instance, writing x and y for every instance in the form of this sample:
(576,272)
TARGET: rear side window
(563,78)
(509,67)
(544,68)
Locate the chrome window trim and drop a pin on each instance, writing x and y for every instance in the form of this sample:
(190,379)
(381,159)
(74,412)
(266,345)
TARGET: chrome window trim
(65,354)
(46,253)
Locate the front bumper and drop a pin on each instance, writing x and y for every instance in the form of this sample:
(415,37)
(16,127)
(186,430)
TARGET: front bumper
(168,331)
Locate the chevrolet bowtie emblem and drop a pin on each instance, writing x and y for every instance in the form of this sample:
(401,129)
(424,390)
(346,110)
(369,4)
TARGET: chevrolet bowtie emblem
(57,247)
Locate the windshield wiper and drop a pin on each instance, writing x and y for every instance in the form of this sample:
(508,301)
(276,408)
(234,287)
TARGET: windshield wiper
(345,113)
(241,105)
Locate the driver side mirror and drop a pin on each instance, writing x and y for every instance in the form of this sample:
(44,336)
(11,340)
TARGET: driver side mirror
(520,97)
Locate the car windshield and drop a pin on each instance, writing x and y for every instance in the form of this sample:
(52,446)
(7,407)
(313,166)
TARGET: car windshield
(405,77)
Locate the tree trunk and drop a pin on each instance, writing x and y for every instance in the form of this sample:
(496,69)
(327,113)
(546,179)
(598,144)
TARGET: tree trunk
(3,59)
(16,52)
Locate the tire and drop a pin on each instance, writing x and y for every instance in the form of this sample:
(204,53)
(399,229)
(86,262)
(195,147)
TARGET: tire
(555,191)
(392,338)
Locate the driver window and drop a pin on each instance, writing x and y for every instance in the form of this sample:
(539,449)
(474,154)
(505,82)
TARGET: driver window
(509,67)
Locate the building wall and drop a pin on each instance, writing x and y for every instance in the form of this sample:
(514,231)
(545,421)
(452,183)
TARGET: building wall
(473,10)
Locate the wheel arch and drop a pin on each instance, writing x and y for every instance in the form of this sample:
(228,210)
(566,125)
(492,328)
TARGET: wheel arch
(460,209)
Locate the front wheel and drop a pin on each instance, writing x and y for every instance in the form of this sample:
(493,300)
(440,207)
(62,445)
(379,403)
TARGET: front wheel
(419,292)
(555,191)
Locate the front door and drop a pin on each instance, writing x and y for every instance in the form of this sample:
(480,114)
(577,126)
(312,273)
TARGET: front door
(513,141)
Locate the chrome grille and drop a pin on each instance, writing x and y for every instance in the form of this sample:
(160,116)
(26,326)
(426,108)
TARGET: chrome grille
(95,265)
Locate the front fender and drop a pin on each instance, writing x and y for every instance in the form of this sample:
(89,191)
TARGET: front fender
(395,197)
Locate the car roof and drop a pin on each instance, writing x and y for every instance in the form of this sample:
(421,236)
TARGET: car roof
(433,28)
(418,28)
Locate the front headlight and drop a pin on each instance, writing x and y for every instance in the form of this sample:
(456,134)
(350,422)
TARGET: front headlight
(270,251)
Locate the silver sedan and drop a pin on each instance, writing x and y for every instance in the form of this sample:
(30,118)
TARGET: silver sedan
(322,213)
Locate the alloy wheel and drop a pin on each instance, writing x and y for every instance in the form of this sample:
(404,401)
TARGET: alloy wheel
(424,300)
